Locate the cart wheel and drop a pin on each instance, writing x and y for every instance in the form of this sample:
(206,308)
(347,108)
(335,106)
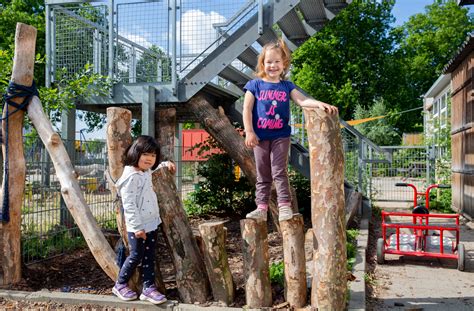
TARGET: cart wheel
(461,258)
(380,251)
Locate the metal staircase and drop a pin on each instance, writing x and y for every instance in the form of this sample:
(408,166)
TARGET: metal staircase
(220,70)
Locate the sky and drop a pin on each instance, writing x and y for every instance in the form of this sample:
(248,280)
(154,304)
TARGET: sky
(402,10)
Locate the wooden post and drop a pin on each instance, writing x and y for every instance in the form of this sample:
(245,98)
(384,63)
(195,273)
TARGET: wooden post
(165,132)
(22,73)
(191,277)
(217,264)
(258,290)
(327,209)
(295,262)
(119,137)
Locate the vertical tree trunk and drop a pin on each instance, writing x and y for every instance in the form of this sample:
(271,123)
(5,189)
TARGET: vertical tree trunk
(217,265)
(165,121)
(165,132)
(295,261)
(258,291)
(22,73)
(119,137)
(191,277)
(327,209)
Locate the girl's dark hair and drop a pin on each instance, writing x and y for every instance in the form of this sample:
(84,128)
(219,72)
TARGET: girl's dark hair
(143,144)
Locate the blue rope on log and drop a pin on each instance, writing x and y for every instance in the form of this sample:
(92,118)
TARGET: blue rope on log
(14,91)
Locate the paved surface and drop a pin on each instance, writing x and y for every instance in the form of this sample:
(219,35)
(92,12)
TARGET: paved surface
(409,283)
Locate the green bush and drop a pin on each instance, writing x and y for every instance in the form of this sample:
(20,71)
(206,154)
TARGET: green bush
(277,273)
(220,191)
(351,236)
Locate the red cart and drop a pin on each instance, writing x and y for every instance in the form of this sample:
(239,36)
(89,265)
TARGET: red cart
(420,233)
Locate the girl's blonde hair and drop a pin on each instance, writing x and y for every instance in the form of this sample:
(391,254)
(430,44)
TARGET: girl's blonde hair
(279,45)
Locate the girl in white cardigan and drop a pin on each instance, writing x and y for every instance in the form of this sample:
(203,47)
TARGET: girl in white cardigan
(142,217)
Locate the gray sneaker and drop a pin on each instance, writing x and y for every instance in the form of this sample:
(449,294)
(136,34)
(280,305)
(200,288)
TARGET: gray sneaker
(257,214)
(285,213)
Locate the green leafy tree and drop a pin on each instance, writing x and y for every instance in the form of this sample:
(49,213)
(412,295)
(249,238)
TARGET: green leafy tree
(147,66)
(359,57)
(30,12)
(380,131)
(348,61)
(426,43)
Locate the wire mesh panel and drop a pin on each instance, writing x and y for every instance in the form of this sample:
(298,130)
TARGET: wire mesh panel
(203,25)
(80,37)
(48,228)
(142,51)
(410,164)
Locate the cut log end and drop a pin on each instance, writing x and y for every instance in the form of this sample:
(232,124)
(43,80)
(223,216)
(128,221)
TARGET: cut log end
(55,139)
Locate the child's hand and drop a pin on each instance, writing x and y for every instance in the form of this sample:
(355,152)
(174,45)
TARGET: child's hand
(171,167)
(251,140)
(140,234)
(328,108)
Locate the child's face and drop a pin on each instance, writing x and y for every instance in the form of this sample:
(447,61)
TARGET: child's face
(146,161)
(273,65)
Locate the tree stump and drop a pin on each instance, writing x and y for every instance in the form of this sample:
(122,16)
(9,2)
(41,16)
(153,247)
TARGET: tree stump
(327,210)
(22,74)
(217,264)
(292,231)
(258,290)
(191,277)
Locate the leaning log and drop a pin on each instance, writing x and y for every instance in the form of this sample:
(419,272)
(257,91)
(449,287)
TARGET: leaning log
(292,231)
(71,191)
(191,277)
(22,74)
(258,291)
(165,132)
(217,264)
(327,210)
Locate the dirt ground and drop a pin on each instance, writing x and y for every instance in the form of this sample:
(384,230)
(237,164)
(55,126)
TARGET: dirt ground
(78,272)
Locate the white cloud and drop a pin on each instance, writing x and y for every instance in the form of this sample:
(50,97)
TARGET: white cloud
(197,31)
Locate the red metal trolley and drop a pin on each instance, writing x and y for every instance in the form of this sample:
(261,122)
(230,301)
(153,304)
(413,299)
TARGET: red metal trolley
(420,233)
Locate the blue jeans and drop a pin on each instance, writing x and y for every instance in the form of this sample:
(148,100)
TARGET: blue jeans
(141,251)
(271,159)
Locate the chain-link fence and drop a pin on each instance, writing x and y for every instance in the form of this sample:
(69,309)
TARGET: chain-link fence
(47,226)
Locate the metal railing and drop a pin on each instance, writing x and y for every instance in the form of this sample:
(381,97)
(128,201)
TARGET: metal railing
(139,41)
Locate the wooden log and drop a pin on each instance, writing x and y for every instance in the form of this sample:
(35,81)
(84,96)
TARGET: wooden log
(295,261)
(22,74)
(165,129)
(165,132)
(327,210)
(191,277)
(119,137)
(258,290)
(353,204)
(217,264)
(75,202)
